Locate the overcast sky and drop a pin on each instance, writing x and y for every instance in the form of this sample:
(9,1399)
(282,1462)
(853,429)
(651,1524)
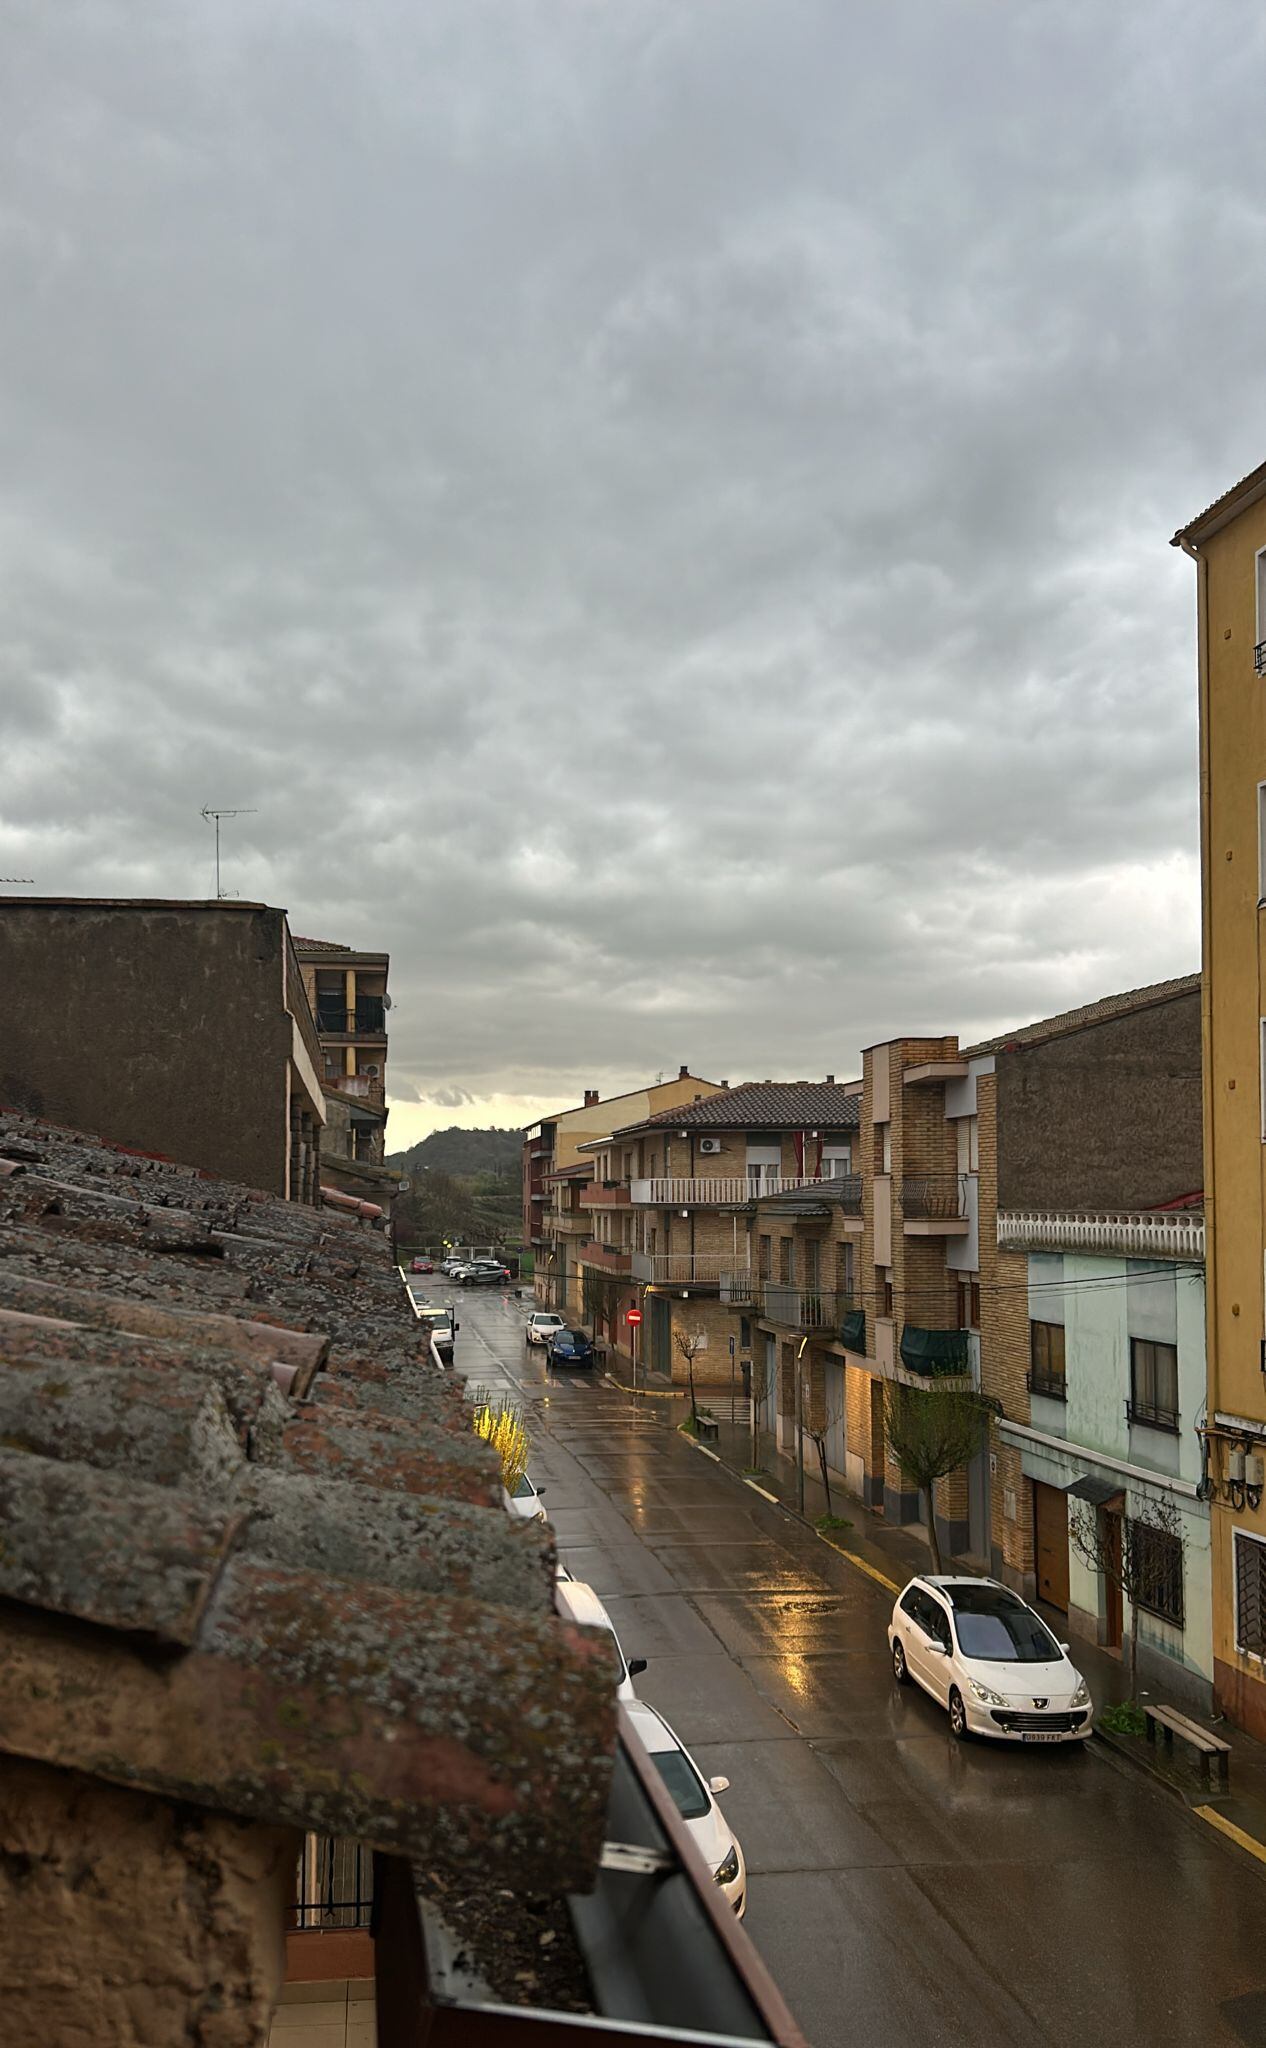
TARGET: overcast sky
(660,507)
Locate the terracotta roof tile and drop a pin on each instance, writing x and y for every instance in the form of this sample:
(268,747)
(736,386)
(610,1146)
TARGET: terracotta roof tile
(1090,1013)
(221,1435)
(764,1105)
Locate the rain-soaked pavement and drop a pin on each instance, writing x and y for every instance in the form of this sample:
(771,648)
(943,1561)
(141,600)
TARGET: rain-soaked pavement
(903,1889)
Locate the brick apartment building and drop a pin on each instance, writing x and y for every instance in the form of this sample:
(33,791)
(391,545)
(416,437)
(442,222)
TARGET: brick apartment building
(900,1269)
(669,1193)
(175,1027)
(348,995)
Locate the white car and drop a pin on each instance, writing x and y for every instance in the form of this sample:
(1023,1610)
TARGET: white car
(541,1325)
(577,1602)
(989,1660)
(692,1796)
(524,1499)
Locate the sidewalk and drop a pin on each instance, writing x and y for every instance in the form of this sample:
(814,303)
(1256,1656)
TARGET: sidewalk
(891,1556)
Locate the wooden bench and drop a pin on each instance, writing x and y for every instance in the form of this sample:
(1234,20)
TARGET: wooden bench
(1209,1748)
(708,1430)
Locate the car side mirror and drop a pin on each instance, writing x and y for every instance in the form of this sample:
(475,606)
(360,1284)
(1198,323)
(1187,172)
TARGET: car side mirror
(636,1664)
(541,1492)
(718,1784)
(1065,1647)
(937,1650)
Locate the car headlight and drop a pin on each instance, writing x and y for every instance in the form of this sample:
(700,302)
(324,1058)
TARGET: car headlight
(1081,1698)
(728,1868)
(986,1693)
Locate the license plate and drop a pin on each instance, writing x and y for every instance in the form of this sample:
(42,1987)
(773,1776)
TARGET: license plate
(1029,1735)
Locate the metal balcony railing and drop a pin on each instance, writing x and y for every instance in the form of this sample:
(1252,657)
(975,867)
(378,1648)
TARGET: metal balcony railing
(334,1885)
(682,1269)
(368,1019)
(934,1195)
(716,1191)
(1259,657)
(800,1308)
(851,1193)
(740,1288)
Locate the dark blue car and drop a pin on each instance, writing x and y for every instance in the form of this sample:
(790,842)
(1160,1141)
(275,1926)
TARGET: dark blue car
(570,1347)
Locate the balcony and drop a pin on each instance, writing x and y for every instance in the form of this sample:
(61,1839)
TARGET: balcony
(367,1020)
(724,1191)
(935,1354)
(934,1205)
(741,1289)
(607,1258)
(1149,1233)
(363,1086)
(605,1194)
(682,1269)
(568,1223)
(797,1308)
(1259,657)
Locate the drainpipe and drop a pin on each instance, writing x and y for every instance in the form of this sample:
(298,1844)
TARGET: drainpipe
(1206,977)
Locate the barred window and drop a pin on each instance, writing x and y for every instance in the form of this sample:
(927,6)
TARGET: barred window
(1046,1361)
(1250,1594)
(1156,1571)
(1153,1383)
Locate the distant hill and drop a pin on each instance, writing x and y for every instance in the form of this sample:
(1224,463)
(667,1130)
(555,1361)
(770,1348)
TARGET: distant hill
(463,1153)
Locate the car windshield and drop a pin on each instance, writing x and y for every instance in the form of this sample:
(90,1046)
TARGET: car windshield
(683,1781)
(522,1487)
(577,1337)
(1001,1630)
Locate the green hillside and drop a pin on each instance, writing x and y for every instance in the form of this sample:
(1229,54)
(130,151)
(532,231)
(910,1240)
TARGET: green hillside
(466,1187)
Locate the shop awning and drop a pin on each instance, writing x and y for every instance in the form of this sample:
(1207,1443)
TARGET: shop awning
(1096,1491)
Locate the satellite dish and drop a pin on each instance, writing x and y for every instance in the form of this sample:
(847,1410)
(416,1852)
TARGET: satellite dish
(386,1002)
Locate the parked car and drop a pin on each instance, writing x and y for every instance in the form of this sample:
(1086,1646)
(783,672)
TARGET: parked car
(570,1347)
(422,1266)
(541,1325)
(576,1601)
(439,1325)
(451,1264)
(485,1273)
(524,1499)
(989,1660)
(692,1795)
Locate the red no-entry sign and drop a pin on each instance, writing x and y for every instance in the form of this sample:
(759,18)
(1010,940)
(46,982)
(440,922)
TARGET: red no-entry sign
(634,1316)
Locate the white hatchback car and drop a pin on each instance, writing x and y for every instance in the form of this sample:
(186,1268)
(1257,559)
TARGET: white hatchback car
(524,1499)
(692,1796)
(989,1660)
(541,1325)
(577,1602)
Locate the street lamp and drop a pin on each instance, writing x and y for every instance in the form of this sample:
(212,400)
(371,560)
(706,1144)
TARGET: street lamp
(799,1430)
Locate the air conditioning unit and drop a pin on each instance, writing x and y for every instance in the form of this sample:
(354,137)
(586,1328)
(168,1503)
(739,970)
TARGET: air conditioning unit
(371,1071)
(709,1145)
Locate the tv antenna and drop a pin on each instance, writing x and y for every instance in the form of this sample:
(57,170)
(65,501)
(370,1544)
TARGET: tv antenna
(213,816)
(18,881)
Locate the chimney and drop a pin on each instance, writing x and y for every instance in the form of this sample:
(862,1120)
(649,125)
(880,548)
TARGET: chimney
(830,1080)
(683,1074)
(725,1084)
(591,1097)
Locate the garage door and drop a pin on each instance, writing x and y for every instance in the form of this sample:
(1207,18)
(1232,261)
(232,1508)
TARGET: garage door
(1050,1542)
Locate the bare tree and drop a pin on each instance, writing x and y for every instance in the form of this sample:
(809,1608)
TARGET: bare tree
(931,1435)
(817,1419)
(687,1347)
(1141,1555)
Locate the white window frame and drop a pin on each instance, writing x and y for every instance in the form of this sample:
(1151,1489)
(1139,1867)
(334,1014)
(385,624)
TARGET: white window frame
(967,1135)
(1248,1536)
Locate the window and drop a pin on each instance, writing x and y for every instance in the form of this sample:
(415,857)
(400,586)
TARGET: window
(844,1273)
(812,1263)
(1250,1595)
(1153,1383)
(764,1248)
(967,1131)
(969,1303)
(1261,842)
(786,1260)
(883,1287)
(1046,1361)
(745,1333)
(934,1621)
(883,1148)
(1157,1571)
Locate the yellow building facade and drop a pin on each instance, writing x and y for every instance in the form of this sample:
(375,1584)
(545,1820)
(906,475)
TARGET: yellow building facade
(1228,546)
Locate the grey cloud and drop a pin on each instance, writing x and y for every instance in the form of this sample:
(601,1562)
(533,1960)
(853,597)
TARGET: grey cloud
(660,510)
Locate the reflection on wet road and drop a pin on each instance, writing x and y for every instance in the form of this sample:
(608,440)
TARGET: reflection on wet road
(903,1888)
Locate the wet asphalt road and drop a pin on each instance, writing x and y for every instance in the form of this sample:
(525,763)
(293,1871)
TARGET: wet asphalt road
(902,1889)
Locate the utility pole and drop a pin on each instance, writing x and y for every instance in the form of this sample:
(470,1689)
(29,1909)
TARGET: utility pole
(800,1430)
(213,816)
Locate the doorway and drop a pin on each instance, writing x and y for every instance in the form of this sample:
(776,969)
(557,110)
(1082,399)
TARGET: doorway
(1050,1544)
